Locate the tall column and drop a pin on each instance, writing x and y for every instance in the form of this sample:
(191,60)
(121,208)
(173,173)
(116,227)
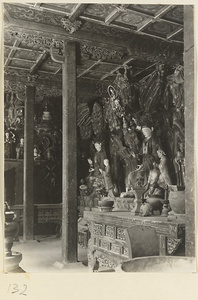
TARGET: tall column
(69,158)
(28,201)
(189,129)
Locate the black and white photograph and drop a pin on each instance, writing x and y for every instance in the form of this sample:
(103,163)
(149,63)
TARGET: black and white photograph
(99,160)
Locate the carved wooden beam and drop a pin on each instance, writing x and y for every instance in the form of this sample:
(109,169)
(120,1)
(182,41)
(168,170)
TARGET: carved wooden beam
(77,11)
(39,62)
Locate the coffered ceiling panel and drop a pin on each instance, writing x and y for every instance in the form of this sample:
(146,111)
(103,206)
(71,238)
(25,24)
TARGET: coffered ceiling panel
(175,15)
(20,64)
(147,8)
(30,55)
(100,11)
(132,19)
(161,28)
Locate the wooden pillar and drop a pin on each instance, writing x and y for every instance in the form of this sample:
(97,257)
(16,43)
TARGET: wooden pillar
(189,129)
(69,158)
(28,201)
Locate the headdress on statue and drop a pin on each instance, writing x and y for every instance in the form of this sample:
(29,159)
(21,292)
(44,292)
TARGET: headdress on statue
(98,140)
(112,91)
(146,120)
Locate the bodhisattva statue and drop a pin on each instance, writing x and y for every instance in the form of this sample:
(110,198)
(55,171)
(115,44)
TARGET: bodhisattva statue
(102,170)
(148,152)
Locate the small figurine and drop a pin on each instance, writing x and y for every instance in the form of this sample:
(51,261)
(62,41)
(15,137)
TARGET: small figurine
(9,144)
(37,153)
(20,149)
(164,178)
(107,178)
(179,165)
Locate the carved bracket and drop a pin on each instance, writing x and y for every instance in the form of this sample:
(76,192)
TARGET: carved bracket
(69,26)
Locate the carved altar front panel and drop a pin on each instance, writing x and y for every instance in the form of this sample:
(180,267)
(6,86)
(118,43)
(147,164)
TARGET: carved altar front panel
(108,245)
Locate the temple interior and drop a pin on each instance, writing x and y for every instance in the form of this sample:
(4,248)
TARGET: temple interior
(98,136)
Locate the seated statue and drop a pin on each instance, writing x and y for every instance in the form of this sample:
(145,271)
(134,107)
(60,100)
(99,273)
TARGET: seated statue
(153,189)
(153,194)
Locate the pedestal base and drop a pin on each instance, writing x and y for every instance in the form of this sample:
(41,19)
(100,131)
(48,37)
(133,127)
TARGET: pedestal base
(173,216)
(12,262)
(137,201)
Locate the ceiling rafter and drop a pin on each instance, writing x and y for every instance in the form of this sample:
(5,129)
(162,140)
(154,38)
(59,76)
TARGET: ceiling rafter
(21,48)
(58,70)
(174,33)
(18,68)
(22,59)
(12,52)
(39,62)
(145,69)
(128,60)
(79,9)
(90,68)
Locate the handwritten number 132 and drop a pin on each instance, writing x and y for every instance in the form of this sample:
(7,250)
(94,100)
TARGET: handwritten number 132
(14,288)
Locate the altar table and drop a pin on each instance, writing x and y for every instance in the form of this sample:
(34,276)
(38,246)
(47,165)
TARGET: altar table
(107,245)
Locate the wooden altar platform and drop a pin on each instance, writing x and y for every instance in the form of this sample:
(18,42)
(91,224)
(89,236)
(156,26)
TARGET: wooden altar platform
(107,245)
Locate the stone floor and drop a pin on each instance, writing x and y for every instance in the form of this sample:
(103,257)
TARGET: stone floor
(43,255)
